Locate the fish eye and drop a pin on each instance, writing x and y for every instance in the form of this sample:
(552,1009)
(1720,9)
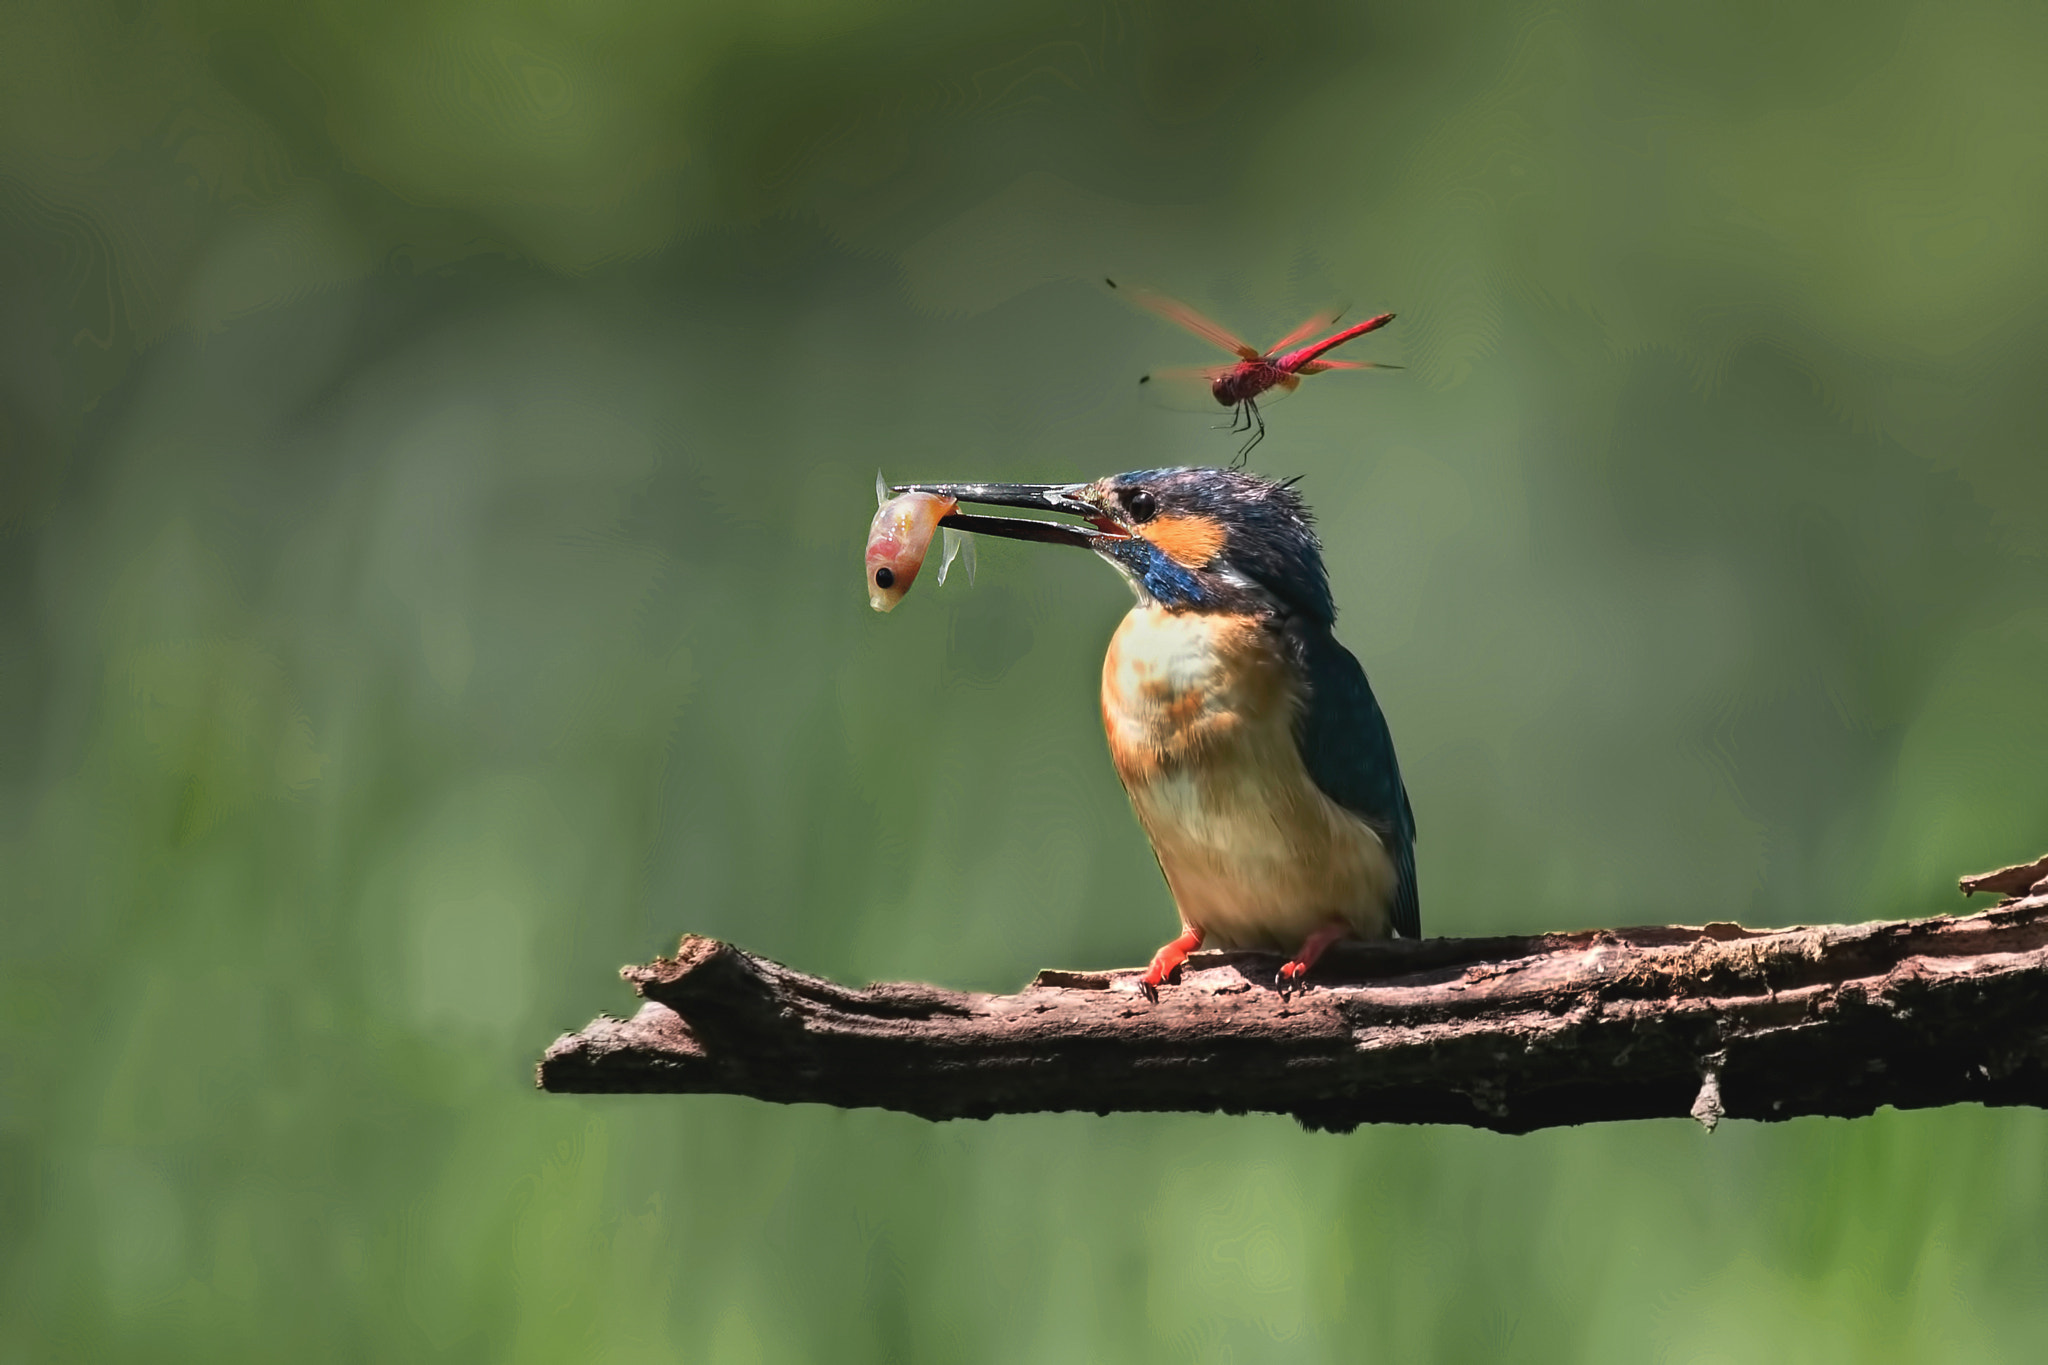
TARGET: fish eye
(885,577)
(1142,504)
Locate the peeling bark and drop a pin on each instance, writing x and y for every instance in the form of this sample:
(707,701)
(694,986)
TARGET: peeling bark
(1511,1034)
(2013,882)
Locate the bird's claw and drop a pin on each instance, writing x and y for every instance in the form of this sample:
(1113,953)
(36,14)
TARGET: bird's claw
(1150,988)
(1289,979)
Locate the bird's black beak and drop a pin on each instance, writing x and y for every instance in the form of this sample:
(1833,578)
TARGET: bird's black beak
(1045,497)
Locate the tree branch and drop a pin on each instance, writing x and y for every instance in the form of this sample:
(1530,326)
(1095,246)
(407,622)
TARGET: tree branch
(1511,1034)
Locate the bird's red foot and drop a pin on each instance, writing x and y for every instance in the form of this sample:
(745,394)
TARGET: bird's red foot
(1166,964)
(1289,979)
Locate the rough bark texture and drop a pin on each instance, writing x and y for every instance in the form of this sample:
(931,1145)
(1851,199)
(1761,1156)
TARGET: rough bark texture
(1511,1034)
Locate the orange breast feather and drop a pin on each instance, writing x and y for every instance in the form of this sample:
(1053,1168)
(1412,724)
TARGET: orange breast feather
(1199,711)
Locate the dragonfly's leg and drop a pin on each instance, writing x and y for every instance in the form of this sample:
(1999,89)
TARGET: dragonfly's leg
(1257,426)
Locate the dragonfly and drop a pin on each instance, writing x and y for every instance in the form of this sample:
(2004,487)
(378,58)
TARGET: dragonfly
(1270,374)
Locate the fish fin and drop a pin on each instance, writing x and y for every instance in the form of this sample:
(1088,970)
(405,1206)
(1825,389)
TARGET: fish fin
(949,548)
(955,545)
(881,489)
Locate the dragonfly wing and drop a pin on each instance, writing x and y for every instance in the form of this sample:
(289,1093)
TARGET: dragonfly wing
(1173,310)
(1184,388)
(1321,322)
(1318,366)
(1189,388)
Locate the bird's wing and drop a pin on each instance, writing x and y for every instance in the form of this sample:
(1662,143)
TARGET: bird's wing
(1349,752)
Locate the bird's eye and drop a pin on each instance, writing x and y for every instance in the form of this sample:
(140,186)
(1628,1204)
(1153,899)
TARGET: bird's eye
(885,577)
(1142,504)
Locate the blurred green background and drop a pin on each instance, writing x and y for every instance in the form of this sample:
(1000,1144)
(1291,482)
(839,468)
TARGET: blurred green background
(438,442)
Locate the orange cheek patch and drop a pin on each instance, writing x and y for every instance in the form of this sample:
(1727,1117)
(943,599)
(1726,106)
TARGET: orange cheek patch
(1190,542)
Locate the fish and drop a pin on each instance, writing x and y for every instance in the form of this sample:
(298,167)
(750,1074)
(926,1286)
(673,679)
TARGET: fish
(900,537)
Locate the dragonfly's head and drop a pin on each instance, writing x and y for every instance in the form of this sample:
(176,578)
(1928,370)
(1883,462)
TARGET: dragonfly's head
(1239,384)
(1188,539)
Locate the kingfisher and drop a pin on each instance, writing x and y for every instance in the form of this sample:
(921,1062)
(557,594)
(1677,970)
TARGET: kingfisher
(1254,753)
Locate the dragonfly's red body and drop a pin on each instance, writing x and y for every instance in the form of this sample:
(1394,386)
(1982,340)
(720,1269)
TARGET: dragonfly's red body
(1257,373)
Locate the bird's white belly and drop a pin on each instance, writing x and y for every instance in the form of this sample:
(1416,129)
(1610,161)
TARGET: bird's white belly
(1199,709)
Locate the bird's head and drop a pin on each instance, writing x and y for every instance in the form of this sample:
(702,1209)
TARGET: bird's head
(1188,539)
